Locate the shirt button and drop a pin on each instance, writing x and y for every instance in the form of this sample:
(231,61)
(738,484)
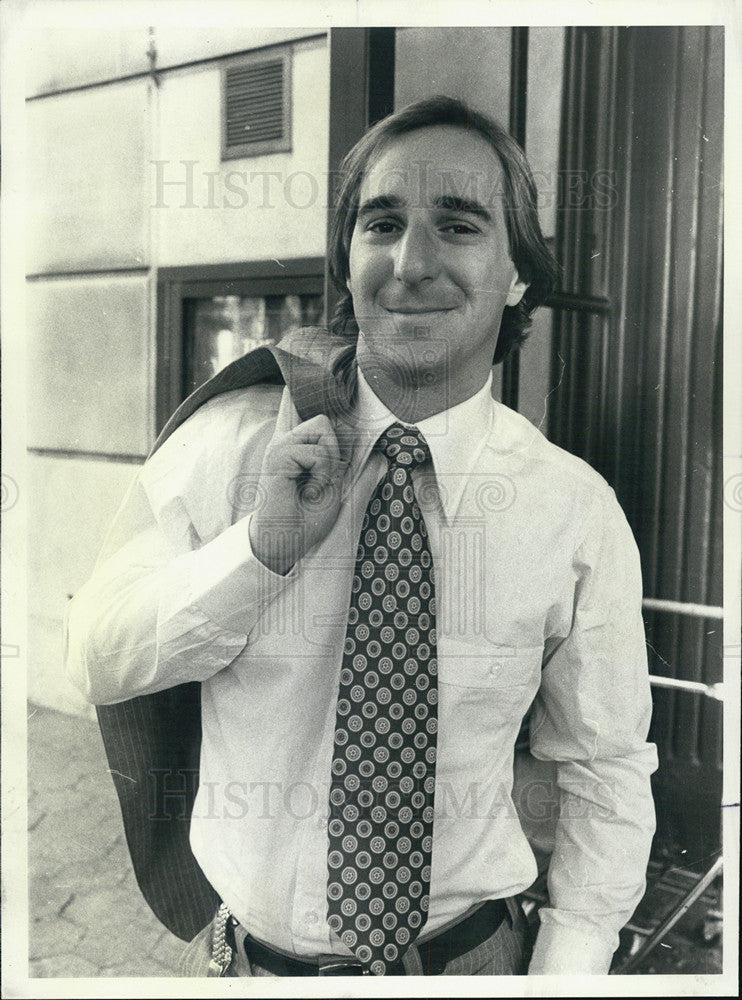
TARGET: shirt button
(312,917)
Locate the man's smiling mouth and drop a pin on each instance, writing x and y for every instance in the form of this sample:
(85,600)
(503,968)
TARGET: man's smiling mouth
(417,310)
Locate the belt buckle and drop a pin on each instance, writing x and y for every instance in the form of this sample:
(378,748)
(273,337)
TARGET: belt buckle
(342,967)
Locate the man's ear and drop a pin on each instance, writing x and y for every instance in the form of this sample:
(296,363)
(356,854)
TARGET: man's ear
(347,284)
(516,291)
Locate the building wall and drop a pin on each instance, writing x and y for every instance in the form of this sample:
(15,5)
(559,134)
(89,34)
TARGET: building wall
(243,209)
(102,220)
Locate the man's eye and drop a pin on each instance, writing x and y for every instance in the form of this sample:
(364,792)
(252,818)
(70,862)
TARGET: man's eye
(460,228)
(382,226)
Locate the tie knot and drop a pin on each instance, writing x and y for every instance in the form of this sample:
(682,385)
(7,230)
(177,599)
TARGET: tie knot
(404,445)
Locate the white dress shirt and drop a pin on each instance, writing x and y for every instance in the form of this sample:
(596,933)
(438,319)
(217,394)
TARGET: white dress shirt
(539,601)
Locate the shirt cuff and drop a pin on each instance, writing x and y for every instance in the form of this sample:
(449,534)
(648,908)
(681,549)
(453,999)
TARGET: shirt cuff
(562,949)
(229,583)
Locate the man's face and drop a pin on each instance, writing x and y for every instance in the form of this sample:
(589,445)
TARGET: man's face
(430,267)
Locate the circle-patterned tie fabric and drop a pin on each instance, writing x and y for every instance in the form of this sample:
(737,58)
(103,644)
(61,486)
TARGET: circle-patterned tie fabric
(383,769)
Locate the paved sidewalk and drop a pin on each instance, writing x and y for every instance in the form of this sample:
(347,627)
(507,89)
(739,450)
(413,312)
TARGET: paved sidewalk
(87,916)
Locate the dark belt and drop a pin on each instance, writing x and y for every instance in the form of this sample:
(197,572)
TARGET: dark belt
(435,953)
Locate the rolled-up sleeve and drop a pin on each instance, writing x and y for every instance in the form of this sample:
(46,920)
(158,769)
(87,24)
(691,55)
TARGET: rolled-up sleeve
(591,716)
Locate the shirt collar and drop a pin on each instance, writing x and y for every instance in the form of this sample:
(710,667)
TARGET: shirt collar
(455,437)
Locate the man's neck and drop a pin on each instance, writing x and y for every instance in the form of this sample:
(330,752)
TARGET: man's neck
(411,400)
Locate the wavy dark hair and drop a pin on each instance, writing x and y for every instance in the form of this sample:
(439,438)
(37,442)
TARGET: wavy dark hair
(533,259)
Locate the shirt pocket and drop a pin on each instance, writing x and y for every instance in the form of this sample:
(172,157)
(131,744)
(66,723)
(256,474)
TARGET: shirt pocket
(501,680)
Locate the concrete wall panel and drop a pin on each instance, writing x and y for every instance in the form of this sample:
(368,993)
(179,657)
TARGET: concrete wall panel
(182,44)
(89,379)
(87,199)
(63,57)
(248,208)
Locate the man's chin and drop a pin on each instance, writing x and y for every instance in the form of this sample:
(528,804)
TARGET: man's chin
(415,361)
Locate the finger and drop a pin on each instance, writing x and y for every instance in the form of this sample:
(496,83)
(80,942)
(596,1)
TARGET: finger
(314,459)
(318,430)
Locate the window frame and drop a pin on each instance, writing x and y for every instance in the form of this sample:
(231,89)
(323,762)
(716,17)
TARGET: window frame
(298,276)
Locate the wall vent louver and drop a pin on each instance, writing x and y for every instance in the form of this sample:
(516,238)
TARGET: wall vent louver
(256,106)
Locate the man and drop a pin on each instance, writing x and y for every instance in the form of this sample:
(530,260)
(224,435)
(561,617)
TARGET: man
(417,569)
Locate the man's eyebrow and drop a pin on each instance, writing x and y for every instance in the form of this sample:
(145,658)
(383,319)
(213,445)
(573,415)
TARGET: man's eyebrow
(453,203)
(448,202)
(381,202)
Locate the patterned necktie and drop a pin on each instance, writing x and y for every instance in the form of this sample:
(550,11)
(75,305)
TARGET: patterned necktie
(383,769)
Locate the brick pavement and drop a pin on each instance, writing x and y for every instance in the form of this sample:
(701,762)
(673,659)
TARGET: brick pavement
(87,916)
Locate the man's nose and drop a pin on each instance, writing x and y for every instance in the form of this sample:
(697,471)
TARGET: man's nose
(416,255)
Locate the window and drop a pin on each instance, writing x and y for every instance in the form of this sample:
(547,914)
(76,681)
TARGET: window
(256,105)
(211,315)
(221,328)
